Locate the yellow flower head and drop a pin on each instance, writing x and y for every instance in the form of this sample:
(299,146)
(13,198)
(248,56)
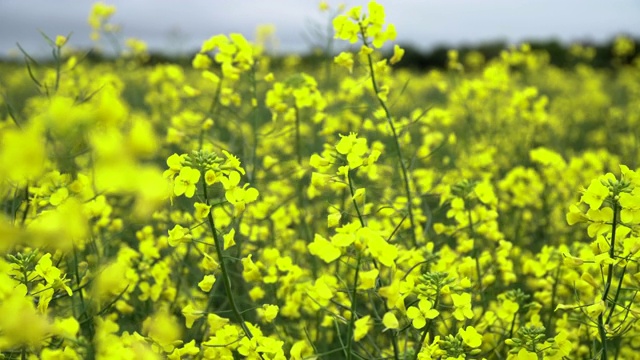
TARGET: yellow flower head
(419,315)
(185,182)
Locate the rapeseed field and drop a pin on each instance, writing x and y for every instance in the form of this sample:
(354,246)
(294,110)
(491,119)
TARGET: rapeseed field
(241,209)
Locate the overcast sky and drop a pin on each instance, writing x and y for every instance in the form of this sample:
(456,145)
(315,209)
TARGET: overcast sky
(181,26)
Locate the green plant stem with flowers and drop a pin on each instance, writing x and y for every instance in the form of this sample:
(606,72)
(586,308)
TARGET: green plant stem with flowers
(223,264)
(607,287)
(354,293)
(396,141)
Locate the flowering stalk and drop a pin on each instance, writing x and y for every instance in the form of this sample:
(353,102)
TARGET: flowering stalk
(607,287)
(396,142)
(355,278)
(352,321)
(475,252)
(223,267)
(428,328)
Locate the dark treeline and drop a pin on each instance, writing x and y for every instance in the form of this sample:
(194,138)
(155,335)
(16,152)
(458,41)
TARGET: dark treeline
(559,54)
(416,59)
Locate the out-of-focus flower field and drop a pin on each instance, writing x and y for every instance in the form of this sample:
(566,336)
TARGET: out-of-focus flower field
(244,207)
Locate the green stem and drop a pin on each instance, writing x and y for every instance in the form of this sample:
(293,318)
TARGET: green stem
(298,150)
(58,60)
(427,329)
(554,292)
(396,142)
(603,337)
(352,321)
(476,255)
(513,325)
(83,312)
(617,295)
(180,276)
(355,279)
(27,204)
(223,266)
(355,204)
(607,286)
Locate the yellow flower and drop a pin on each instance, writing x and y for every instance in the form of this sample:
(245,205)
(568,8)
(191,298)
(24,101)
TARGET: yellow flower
(359,195)
(61,40)
(202,210)
(46,270)
(575,215)
(345,59)
(596,309)
(485,193)
(208,263)
(525,354)
(367,279)
(379,248)
(250,271)
(66,327)
(191,315)
(240,196)
(232,162)
(471,337)
(595,194)
(185,182)
(207,283)
(462,304)
(201,61)
(345,28)
(269,312)
(420,314)
(390,321)
(210,177)
(355,13)
(398,53)
(229,239)
(216,322)
(178,235)
(362,327)
(508,309)
(343,239)
(600,221)
(333,219)
(323,249)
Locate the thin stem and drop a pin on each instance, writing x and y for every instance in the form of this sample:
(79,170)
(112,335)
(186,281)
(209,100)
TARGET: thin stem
(223,266)
(352,321)
(605,295)
(79,284)
(355,279)
(180,276)
(355,203)
(27,204)
(427,329)
(476,255)
(298,149)
(403,167)
(58,60)
(554,292)
(617,295)
(513,325)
